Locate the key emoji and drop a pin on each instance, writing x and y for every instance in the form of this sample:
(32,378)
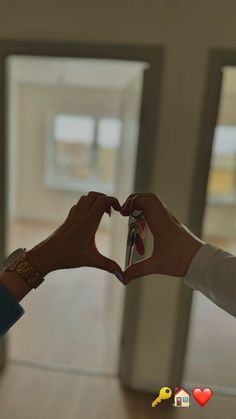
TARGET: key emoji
(164,394)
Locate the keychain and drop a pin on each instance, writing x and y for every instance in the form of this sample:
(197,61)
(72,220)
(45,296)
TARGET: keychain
(136,235)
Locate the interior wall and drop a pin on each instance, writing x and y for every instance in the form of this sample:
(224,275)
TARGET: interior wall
(187,30)
(30,197)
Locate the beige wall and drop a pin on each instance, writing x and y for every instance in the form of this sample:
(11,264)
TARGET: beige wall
(33,200)
(187,30)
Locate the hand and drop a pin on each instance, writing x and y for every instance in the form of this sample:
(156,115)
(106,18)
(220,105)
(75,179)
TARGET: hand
(72,245)
(174,245)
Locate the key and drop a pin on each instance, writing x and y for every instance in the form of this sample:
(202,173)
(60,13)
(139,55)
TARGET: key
(130,244)
(139,245)
(164,394)
(137,215)
(135,235)
(142,228)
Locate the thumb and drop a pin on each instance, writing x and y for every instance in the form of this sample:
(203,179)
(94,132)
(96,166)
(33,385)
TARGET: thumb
(138,269)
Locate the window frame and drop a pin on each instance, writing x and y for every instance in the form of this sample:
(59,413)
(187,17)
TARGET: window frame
(50,180)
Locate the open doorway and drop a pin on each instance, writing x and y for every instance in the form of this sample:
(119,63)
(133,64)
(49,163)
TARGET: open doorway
(133,92)
(73,127)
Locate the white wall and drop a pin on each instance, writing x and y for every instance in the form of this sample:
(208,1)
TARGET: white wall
(187,30)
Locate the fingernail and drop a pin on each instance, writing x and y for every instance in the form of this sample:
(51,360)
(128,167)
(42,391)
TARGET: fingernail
(119,276)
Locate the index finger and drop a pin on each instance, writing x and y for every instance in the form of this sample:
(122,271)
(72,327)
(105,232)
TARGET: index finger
(102,205)
(125,209)
(130,197)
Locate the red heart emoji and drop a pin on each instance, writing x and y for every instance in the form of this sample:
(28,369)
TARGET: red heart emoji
(202,396)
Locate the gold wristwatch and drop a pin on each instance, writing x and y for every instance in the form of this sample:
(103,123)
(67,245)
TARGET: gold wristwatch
(18,262)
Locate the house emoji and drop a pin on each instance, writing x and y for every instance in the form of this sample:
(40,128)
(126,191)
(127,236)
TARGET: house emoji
(181,398)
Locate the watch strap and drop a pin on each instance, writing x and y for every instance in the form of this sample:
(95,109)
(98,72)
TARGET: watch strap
(26,270)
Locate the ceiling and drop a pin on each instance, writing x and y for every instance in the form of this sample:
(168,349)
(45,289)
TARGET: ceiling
(98,73)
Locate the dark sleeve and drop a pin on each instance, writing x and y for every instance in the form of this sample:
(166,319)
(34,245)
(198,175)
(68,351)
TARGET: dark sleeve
(10,310)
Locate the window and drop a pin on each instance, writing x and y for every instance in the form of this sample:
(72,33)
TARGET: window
(82,152)
(185,399)
(222,176)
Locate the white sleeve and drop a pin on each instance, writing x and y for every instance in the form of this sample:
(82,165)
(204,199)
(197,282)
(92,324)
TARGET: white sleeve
(212,271)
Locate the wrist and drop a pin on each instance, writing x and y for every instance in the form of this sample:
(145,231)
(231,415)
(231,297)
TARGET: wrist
(39,257)
(191,249)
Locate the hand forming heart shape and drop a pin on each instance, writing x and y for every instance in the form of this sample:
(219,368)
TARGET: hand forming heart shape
(73,245)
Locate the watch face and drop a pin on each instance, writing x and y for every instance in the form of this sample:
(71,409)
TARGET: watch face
(17,254)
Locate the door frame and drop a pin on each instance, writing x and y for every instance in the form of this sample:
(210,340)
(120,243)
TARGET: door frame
(217,58)
(149,112)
